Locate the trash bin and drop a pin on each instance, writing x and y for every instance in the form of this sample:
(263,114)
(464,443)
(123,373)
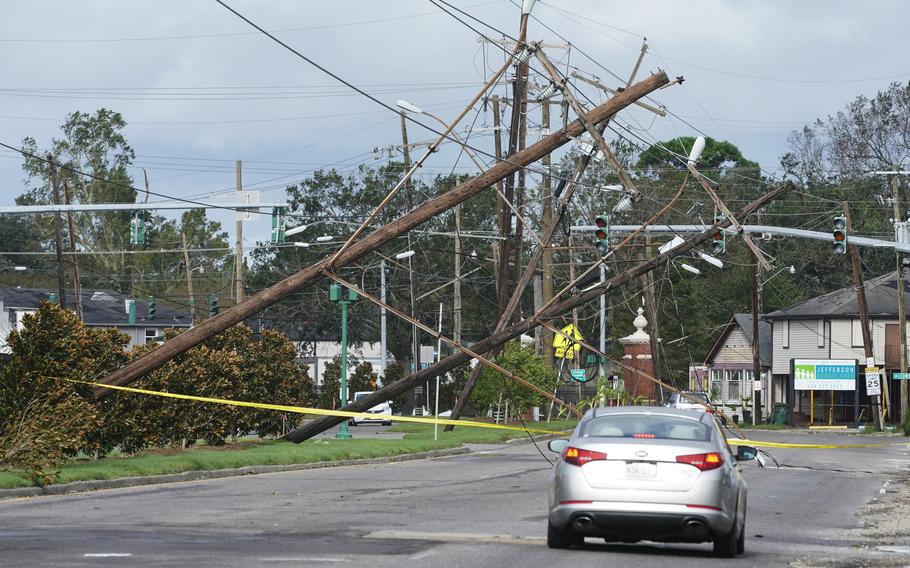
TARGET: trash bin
(781,414)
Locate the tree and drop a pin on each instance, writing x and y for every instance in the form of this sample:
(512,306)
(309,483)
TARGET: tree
(330,390)
(93,144)
(44,416)
(362,379)
(494,390)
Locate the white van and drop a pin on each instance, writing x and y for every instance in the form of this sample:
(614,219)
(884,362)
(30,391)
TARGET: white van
(381,408)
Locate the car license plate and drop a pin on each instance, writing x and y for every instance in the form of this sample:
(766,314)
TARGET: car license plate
(641,470)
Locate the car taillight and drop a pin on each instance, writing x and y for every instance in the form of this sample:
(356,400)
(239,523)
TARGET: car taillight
(704,462)
(578,456)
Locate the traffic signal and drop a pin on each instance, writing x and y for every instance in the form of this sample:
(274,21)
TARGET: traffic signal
(278,225)
(718,237)
(840,235)
(213,305)
(152,307)
(602,234)
(137,228)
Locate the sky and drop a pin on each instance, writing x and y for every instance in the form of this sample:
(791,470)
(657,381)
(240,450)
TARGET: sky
(200,88)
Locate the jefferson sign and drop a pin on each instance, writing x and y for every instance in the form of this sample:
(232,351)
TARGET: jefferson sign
(824,374)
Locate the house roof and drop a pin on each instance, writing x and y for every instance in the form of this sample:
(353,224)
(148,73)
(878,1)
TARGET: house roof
(99,307)
(881,299)
(744,322)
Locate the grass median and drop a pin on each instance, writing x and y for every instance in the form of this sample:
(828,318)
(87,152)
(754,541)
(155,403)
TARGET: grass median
(418,438)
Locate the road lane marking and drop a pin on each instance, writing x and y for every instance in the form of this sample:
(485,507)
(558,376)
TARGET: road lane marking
(106,555)
(303,559)
(456,537)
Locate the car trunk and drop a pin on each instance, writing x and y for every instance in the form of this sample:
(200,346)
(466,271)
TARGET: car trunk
(639,465)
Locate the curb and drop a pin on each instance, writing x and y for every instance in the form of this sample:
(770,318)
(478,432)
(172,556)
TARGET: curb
(96,485)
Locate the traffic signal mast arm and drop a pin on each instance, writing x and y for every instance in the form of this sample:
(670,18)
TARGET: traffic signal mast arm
(496,340)
(430,208)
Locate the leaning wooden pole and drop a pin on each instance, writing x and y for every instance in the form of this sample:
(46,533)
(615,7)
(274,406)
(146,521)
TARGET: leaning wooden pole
(430,208)
(496,340)
(860,286)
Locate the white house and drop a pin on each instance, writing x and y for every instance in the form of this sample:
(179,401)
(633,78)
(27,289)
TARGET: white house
(100,308)
(827,328)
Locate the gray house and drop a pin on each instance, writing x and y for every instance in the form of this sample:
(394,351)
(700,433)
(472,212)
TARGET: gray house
(827,328)
(101,308)
(728,370)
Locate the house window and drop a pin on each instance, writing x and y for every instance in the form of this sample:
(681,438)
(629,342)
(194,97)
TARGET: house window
(820,332)
(150,334)
(856,332)
(785,334)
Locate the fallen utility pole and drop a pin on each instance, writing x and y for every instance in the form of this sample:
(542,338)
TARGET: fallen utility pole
(499,339)
(430,208)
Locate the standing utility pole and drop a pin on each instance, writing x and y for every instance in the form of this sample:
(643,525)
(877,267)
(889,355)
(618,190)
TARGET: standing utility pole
(456,286)
(863,311)
(58,235)
(239,252)
(77,288)
(505,221)
(383,358)
(546,217)
(189,278)
(901,309)
(756,353)
(412,285)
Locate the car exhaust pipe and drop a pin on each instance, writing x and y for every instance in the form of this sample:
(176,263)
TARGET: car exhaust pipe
(583,522)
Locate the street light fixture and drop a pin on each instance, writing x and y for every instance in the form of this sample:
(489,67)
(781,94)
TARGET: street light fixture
(324,238)
(295,230)
(404,255)
(302,245)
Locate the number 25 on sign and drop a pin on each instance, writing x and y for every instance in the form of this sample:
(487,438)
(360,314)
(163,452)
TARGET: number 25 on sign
(873,381)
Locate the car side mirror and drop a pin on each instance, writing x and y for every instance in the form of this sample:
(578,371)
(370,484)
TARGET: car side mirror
(745,453)
(558,446)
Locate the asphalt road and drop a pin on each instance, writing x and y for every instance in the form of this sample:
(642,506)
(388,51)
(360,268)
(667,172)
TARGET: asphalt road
(483,509)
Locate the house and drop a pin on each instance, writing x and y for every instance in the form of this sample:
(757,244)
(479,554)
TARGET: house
(100,308)
(728,369)
(826,330)
(316,350)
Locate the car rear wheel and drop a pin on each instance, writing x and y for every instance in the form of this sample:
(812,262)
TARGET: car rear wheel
(562,538)
(741,541)
(728,545)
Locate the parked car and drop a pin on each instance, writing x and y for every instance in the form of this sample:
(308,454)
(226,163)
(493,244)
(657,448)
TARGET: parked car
(648,473)
(690,400)
(384,408)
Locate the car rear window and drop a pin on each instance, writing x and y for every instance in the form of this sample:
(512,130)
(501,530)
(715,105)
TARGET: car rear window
(646,426)
(688,398)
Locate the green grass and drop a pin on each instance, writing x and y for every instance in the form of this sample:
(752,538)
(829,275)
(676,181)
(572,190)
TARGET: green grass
(418,438)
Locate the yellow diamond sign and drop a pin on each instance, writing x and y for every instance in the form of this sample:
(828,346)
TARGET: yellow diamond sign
(565,344)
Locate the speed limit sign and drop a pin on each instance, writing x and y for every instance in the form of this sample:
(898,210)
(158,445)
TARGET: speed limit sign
(873,381)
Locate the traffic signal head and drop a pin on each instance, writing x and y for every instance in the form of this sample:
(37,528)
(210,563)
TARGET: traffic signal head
(840,235)
(602,234)
(213,305)
(152,307)
(719,241)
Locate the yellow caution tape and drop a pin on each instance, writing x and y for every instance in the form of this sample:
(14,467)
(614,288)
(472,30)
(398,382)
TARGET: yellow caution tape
(757,443)
(443,421)
(318,411)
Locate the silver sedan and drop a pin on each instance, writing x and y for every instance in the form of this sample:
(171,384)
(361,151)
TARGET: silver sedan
(648,473)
